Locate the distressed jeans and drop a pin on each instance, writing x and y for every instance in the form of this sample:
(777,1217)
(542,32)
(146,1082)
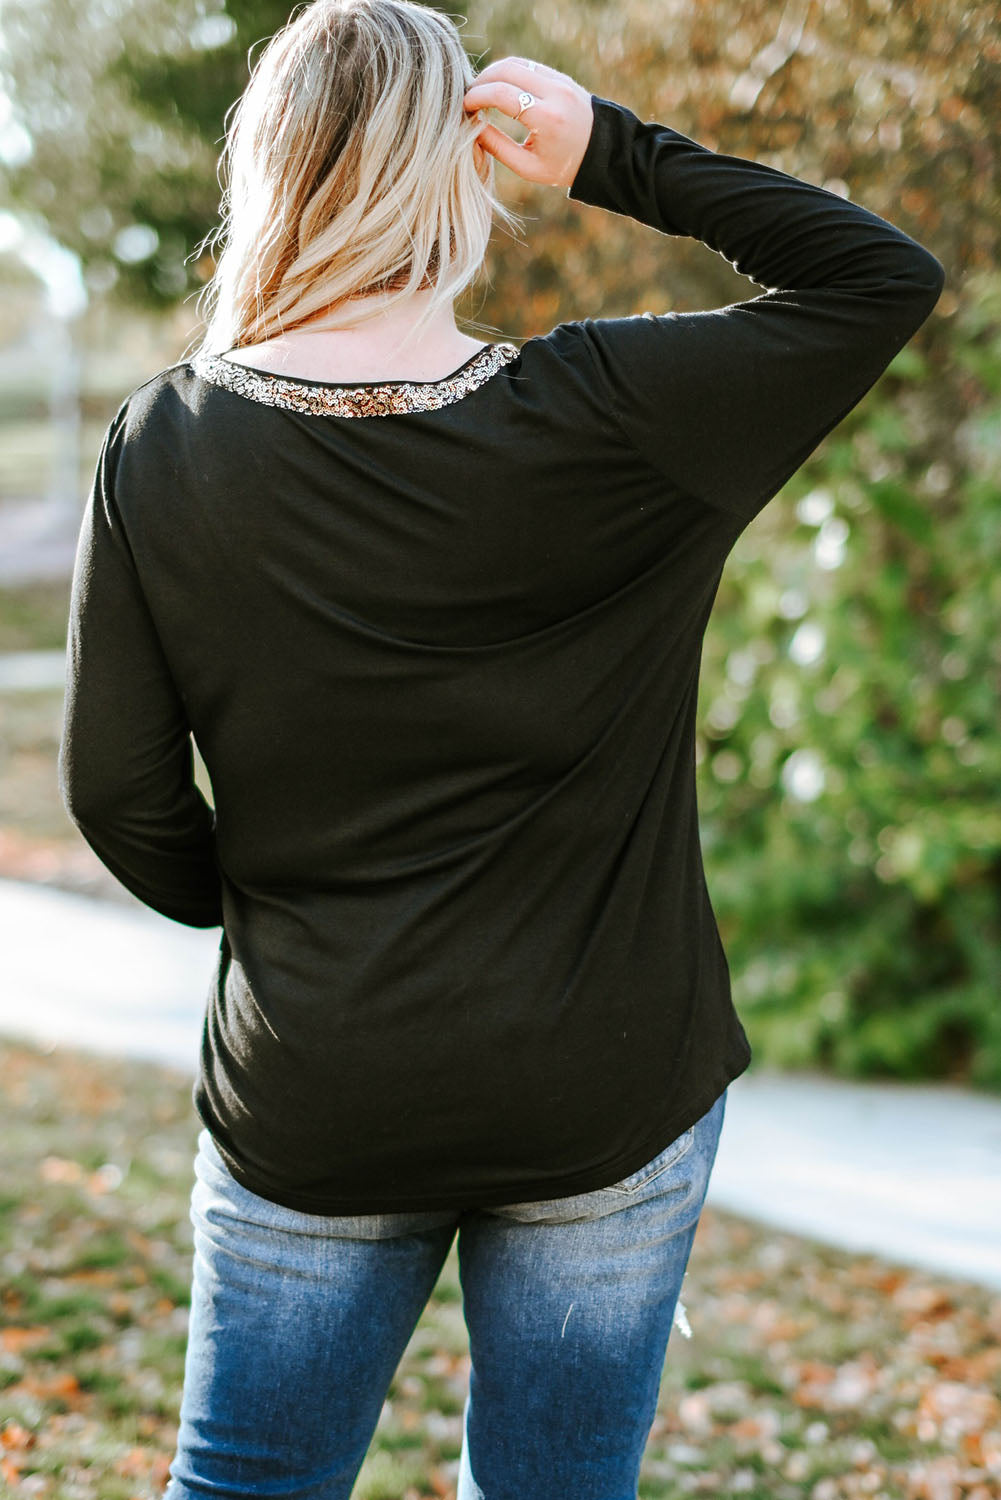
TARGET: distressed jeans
(298,1322)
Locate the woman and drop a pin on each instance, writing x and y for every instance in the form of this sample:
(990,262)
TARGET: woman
(432,610)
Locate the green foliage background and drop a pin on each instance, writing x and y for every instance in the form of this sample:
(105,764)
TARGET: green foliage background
(863,923)
(849,751)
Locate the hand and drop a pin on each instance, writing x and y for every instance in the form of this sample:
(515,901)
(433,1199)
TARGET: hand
(558,125)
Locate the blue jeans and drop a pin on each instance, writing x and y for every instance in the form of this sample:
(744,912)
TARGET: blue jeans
(298,1322)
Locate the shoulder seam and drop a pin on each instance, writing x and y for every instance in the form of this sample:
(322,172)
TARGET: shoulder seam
(157,375)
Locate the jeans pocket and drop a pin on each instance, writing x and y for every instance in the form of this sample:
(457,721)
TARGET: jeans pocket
(599,1202)
(671,1154)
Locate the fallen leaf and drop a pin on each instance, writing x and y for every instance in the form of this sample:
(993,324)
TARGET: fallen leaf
(955,1409)
(132,1465)
(61,1384)
(13,1340)
(60,1169)
(16,1436)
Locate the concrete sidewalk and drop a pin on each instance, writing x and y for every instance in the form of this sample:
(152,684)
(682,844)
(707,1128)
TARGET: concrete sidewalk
(911,1172)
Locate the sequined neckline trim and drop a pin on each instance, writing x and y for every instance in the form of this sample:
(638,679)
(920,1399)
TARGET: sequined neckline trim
(390,398)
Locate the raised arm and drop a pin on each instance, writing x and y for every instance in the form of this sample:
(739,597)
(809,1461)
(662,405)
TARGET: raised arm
(125,761)
(728,403)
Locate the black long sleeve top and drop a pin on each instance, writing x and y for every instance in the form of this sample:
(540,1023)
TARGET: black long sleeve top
(439,644)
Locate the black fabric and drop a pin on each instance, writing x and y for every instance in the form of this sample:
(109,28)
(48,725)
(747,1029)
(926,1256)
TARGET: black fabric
(442,667)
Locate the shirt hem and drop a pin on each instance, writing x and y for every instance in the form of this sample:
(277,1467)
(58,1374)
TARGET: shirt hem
(529,1190)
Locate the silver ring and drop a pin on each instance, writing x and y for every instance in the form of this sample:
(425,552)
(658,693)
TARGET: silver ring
(526,100)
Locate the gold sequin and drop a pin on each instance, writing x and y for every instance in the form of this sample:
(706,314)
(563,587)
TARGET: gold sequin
(389,399)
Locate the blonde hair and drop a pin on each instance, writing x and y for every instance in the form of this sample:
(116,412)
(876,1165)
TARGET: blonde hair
(351,172)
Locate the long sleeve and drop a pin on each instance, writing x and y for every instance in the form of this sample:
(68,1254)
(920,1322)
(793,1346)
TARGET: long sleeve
(728,403)
(125,761)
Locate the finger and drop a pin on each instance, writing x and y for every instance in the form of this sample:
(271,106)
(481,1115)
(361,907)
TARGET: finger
(516,71)
(507,151)
(502,96)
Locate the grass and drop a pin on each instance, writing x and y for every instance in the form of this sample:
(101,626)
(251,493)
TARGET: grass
(812,1374)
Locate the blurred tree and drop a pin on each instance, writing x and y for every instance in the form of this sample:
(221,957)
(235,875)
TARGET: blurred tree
(128,191)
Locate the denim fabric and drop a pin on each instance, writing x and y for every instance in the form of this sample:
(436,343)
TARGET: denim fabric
(298,1322)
